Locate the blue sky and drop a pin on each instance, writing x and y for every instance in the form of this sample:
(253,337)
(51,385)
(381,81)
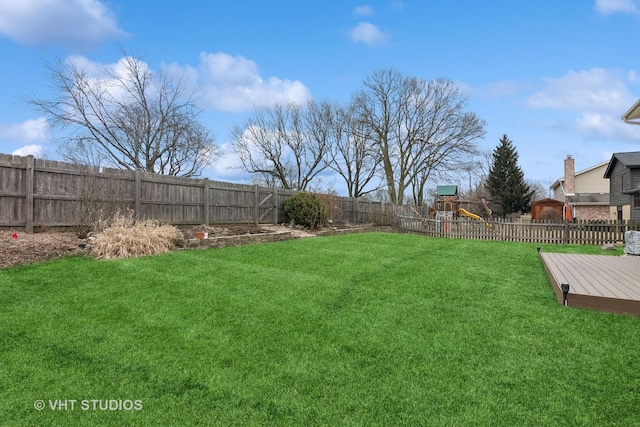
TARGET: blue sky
(555,76)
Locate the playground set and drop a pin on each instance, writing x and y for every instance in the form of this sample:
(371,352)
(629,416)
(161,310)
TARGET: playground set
(447,206)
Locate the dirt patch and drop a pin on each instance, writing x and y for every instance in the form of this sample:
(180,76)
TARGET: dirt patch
(18,248)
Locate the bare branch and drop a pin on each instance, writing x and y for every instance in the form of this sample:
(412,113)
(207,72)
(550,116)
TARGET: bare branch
(285,143)
(419,128)
(127,117)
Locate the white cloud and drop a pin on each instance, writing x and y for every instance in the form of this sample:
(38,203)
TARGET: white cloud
(608,7)
(364,10)
(596,89)
(220,81)
(109,77)
(595,98)
(368,34)
(74,23)
(228,166)
(233,83)
(95,70)
(35,150)
(29,132)
(600,126)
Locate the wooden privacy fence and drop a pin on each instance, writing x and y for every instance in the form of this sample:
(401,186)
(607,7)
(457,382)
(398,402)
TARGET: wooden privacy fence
(45,193)
(581,232)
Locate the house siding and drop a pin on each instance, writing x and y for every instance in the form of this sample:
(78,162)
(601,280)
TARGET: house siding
(592,181)
(615,185)
(635,183)
(623,178)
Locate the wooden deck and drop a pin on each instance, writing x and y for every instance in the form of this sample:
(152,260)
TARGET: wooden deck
(600,282)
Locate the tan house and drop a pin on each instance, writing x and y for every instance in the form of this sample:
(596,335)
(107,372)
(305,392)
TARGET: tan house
(585,194)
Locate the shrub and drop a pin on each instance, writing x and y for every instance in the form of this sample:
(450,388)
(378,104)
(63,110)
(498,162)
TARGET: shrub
(122,236)
(306,209)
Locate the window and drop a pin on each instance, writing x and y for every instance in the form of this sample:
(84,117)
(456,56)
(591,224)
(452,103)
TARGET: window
(636,200)
(623,182)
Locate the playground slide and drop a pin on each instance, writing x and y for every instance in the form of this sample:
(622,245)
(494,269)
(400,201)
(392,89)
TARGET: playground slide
(474,216)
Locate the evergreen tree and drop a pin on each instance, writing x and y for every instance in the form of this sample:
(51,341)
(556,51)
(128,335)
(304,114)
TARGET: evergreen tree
(506,183)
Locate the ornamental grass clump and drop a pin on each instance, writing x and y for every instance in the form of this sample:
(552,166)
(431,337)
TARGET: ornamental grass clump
(122,236)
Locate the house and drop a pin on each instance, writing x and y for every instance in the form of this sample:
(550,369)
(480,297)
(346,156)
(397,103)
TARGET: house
(633,115)
(585,194)
(623,172)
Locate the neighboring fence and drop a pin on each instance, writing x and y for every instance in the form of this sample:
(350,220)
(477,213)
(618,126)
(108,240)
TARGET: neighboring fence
(44,193)
(581,232)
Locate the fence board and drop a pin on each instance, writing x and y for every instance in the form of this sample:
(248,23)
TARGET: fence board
(44,193)
(581,232)
(58,194)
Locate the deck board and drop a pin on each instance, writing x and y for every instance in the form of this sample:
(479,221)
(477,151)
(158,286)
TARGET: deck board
(601,282)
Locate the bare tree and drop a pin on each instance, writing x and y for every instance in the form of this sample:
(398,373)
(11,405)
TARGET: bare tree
(354,153)
(448,144)
(127,117)
(540,191)
(286,143)
(377,106)
(419,127)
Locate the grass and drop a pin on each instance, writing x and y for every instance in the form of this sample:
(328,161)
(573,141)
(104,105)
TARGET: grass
(369,329)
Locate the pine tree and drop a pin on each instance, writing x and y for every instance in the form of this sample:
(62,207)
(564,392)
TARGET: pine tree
(506,183)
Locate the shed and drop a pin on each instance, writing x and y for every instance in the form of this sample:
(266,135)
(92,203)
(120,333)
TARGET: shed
(547,209)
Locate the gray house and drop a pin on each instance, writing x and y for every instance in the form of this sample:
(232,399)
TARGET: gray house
(623,173)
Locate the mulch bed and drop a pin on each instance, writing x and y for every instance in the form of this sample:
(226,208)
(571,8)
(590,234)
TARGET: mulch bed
(18,247)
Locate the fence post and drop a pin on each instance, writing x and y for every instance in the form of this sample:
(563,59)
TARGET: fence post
(256,205)
(275,206)
(355,210)
(138,202)
(566,232)
(207,203)
(29,196)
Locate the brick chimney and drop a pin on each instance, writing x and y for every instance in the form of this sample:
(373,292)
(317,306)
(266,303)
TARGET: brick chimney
(569,175)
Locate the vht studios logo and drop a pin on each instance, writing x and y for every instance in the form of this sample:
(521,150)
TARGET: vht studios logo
(89,405)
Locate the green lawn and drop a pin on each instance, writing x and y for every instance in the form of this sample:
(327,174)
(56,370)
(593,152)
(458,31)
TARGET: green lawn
(366,329)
